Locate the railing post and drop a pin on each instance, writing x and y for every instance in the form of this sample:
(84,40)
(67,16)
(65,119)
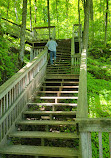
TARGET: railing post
(82,108)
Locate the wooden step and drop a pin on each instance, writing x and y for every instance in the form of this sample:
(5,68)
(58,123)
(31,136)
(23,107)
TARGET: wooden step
(55,97)
(39,151)
(52,104)
(69,113)
(60,86)
(58,72)
(60,92)
(62,76)
(39,134)
(58,67)
(45,122)
(70,82)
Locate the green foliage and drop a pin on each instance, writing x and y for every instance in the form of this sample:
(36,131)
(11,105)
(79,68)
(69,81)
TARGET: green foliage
(99,93)
(99,63)
(8,60)
(99,82)
(99,97)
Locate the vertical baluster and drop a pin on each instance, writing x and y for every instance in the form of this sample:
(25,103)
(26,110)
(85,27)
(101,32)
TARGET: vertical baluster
(3,127)
(12,95)
(90,145)
(17,90)
(9,97)
(4,104)
(7,101)
(6,125)
(1,112)
(20,86)
(100,145)
(9,120)
(110,144)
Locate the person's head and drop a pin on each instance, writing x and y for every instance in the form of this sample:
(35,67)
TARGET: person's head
(50,38)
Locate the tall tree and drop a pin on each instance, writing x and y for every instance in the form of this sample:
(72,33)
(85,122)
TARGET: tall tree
(8,8)
(15,5)
(92,21)
(67,1)
(22,33)
(106,21)
(48,16)
(35,11)
(86,23)
(57,16)
(30,16)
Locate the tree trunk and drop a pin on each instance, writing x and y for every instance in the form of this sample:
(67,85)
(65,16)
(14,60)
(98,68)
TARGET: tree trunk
(79,20)
(35,11)
(30,16)
(8,8)
(67,8)
(15,4)
(106,23)
(86,24)
(57,17)
(22,33)
(48,16)
(92,21)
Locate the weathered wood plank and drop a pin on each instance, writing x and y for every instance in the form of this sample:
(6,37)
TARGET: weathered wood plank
(82,108)
(90,145)
(95,124)
(46,122)
(39,151)
(50,112)
(84,144)
(39,134)
(100,145)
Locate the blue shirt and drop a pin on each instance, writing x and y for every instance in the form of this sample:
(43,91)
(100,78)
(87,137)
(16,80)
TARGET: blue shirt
(52,45)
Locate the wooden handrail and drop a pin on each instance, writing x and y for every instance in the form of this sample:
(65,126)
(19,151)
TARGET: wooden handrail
(94,124)
(14,23)
(15,93)
(82,108)
(45,27)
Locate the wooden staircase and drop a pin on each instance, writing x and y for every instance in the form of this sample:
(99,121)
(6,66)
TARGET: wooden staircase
(48,127)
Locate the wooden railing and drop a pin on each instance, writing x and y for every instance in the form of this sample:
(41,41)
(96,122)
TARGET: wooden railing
(82,109)
(15,29)
(43,33)
(88,126)
(16,92)
(35,51)
(100,126)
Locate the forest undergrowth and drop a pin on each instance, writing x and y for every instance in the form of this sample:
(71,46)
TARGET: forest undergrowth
(9,51)
(99,82)
(99,93)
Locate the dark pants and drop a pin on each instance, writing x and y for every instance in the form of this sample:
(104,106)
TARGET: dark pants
(52,56)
